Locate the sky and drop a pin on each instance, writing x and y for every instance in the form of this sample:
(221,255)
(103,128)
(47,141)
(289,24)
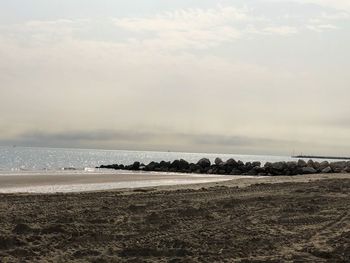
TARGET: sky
(244,77)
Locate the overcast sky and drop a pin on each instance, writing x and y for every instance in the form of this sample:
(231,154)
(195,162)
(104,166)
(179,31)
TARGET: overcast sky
(254,77)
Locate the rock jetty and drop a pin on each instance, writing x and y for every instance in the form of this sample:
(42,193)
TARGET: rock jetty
(233,167)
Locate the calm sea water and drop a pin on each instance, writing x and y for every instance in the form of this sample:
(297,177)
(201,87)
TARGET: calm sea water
(34,159)
(36,165)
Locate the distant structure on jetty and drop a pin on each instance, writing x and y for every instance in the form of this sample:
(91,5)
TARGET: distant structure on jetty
(320,157)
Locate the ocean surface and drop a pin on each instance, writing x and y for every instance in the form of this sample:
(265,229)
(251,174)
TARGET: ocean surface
(41,159)
(51,170)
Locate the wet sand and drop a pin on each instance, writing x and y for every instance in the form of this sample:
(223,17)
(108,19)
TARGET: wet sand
(274,219)
(78,181)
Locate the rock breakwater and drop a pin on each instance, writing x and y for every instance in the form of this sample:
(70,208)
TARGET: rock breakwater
(233,167)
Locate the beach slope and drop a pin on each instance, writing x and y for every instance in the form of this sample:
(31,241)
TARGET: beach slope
(299,218)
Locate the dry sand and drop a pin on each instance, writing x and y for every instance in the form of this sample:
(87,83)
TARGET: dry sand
(274,219)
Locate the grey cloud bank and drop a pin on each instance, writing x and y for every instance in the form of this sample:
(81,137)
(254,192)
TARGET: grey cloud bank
(148,141)
(165,141)
(257,77)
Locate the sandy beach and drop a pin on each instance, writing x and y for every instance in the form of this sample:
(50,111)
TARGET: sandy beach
(174,131)
(78,181)
(274,219)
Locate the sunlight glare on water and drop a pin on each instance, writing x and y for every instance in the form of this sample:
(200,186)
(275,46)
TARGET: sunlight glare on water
(29,158)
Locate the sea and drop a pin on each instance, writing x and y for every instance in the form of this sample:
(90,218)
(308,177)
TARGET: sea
(57,170)
(14,158)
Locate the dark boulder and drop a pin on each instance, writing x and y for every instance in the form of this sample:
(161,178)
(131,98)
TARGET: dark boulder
(128,167)
(268,165)
(240,163)
(194,167)
(338,167)
(259,170)
(164,164)
(226,167)
(248,166)
(213,170)
(256,164)
(326,170)
(110,166)
(175,165)
(204,163)
(293,168)
(279,166)
(222,171)
(152,166)
(346,169)
(252,172)
(292,165)
(302,163)
(317,166)
(310,163)
(232,162)
(135,166)
(324,165)
(218,161)
(179,166)
(308,170)
(183,165)
(235,171)
(245,168)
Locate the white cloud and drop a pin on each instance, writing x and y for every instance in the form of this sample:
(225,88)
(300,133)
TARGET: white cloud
(330,13)
(43,32)
(201,28)
(187,19)
(336,16)
(196,28)
(281,30)
(321,27)
(342,5)
(326,21)
(336,4)
(176,30)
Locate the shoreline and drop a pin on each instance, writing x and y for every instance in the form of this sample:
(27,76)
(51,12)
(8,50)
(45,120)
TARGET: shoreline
(194,183)
(65,182)
(68,182)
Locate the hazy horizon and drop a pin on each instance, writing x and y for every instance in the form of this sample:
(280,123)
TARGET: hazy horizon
(244,77)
